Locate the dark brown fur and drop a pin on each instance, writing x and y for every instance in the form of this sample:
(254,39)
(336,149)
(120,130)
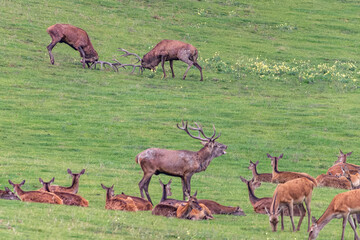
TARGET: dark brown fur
(170,50)
(76,38)
(116,203)
(8,194)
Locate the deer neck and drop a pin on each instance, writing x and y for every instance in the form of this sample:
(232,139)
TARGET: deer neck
(18,190)
(254,171)
(275,204)
(204,157)
(186,211)
(164,195)
(252,197)
(325,219)
(108,196)
(75,183)
(275,167)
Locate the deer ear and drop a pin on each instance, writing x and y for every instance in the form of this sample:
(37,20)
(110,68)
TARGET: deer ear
(170,181)
(22,183)
(341,152)
(256,184)
(11,183)
(52,180)
(82,172)
(41,181)
(281,155)
(267,211)
(195,194)
(268,155)
(161,183)
(348,154)
(69,171)
(7,189)
(243,179)
(313,220)
(257,162)
(103,186)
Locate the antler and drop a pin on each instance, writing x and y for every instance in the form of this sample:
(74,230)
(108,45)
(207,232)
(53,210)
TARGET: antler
(103,63)
(127,53)
(200,130)
(131,65)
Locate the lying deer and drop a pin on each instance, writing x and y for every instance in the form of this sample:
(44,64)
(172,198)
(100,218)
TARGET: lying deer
(261,205)
(193,210)
(342,157)
(68,198)
(342,206)
(74,188)
(8,194)
(141,204)
(263,177)
(325,180)
(35,196)
(164,210)
(213,206)
(179,163)
(292,192)
(76,38)
(282,177)
(127,204)
(336,169)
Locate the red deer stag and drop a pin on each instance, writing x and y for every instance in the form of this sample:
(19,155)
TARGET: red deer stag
(68,198)
(193,210)
(76,38)
(35,196)
(116,203)
(261,205)
(179,163)
(342,206)
(169,50)
(8,195)
(262,177)
(213,206)
(282,177)
(295,191)
(74,188)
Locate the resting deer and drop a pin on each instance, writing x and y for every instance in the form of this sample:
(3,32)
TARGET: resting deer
(336,169)
(342,157)
(35,196)
(213,206)
(68,198)
(116,203)
(282,177)
(179,163)
(295,191)
(164,210)
(74,188)
(76,38)
(325,180)
(193,210)
(141,204)
(261,205)
(8,194)
(263,177)
(342,206)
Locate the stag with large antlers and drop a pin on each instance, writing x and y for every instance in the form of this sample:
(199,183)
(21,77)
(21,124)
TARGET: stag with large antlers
(76,38)
(179,163)
(169,50)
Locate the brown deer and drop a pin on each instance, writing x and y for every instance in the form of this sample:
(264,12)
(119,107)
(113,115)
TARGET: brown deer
(325,180)
(116,203)
(141,204)
(263,177)
(261,205)
(74,188)
(342,157)
(179,163)
(340,163)
(282,177)
(354,179)
(193,210)
(68,198)
(169,50)
(213,206)
(76,38)
(164,210)
(292,192)
(8,194)
(342,206)
(35,196)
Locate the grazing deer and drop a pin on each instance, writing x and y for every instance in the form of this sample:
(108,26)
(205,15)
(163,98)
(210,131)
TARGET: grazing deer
(76,38)
(116,203)
(295,191)
(168,50)
(342,206)
(68,198)
(282,177)
(179,163)
(325,180)
(261,205)
(213,206)
(8,194)
(263,177)
(35,196)
(74,188)
(193,210)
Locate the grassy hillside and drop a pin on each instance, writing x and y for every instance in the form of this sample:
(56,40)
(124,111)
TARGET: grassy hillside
(279,77)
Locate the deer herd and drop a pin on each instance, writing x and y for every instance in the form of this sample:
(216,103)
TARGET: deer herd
(293,189)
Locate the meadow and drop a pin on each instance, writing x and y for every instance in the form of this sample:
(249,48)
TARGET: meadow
(279,77)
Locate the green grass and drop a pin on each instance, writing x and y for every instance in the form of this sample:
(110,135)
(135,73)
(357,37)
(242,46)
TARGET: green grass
(62,116)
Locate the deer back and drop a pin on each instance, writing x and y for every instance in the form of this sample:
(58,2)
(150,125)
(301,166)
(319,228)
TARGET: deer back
(72,199)
(8,194)
(141,204)
(121,204)
(164,210)
(216,208)
(325,180)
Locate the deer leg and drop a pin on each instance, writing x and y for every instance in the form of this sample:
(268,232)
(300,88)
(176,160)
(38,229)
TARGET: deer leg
(183,187)
(143,185)
(162,65)
(146,188)
(291,213)
(307,203)
(172,69)
(343,227)
(200,69)
(353,226)
(82,54)
(282,219)
(187,184)
(302,215)
(49,48)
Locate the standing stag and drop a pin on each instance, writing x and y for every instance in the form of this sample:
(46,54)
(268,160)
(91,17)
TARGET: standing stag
(179,163)
(76,38)
(169,50)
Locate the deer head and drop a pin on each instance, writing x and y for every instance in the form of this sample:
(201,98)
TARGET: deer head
(273,219)
(314,229)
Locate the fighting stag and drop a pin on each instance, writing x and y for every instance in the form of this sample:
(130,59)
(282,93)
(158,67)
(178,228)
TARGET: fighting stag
(179,163)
